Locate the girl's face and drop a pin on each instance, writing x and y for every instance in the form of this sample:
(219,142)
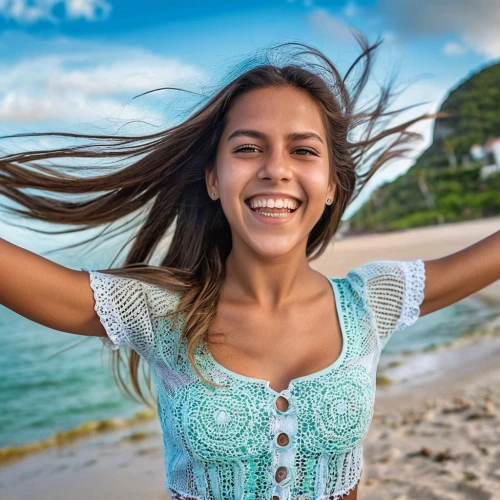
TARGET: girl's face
(273,147)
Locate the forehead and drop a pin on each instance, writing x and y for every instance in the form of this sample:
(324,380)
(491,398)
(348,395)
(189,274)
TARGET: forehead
(276,108)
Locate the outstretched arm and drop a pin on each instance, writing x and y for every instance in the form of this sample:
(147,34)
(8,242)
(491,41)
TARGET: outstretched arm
(458,275)
(46,292)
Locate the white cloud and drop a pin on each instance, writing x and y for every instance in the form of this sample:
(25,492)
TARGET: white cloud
(454,49)
(475,23)
(29,12)
(20,107)
(86,85)
(88,9)
(330,25)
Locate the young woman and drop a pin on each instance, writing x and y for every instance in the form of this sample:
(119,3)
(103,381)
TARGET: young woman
(264,368)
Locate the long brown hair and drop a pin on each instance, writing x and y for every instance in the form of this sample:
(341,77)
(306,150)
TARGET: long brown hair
(165,182)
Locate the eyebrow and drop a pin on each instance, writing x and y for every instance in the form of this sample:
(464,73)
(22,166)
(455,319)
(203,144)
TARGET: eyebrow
(293,136)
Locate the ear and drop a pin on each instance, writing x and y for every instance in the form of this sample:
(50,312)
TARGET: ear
(332,187)
(211,181)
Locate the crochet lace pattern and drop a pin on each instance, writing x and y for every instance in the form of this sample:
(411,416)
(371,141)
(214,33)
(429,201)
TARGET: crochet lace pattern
(223,443)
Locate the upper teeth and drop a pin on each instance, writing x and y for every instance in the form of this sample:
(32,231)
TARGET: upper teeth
(270,203)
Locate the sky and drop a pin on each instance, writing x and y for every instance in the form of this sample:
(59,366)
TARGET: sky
(76,65)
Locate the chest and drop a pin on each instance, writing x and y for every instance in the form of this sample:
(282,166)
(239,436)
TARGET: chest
(277,346)
(297,402)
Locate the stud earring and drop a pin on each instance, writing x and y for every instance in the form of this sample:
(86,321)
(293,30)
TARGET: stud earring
(328,201)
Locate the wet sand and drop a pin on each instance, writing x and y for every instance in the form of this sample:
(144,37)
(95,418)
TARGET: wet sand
(433,437)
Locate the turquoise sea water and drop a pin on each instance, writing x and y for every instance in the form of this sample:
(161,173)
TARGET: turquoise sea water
(443,327)
(43,390)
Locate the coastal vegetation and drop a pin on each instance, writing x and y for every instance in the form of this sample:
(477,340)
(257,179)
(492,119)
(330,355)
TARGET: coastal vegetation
(446,184)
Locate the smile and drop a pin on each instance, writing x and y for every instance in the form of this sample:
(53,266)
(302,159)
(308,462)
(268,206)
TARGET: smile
(272,215)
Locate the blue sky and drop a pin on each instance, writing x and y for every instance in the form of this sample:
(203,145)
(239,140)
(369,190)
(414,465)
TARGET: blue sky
(75,65)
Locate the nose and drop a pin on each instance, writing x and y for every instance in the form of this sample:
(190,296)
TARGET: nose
(276,166)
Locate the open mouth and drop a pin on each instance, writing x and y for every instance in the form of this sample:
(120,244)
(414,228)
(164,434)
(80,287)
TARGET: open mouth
(274,210)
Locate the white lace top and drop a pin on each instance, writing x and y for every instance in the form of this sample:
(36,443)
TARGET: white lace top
(234,442)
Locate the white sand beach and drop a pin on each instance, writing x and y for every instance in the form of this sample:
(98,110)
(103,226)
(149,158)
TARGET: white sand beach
(437,438)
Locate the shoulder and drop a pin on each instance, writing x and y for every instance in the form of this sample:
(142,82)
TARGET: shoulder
(132,292)
(392,291)
(129,309)
(385,274)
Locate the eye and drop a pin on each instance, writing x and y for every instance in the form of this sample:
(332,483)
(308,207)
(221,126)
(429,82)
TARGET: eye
(250,147)
(308,150)
(244,148)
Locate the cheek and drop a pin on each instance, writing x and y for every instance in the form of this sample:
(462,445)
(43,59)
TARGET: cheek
(233,180)
(231,189)
(315,186)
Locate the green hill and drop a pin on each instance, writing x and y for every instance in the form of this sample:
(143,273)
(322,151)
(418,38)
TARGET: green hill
(445,184)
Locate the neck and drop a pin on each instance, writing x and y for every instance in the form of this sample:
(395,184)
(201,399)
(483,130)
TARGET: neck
(268,283)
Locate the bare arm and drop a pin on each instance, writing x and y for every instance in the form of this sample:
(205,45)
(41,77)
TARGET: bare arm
(456,276)
(46,292)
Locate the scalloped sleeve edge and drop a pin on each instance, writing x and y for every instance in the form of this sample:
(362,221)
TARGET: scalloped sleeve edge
(414,293)
(105,313)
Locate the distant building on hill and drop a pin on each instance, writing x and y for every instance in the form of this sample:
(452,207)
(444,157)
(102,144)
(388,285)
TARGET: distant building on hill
(492,147)
(478,152)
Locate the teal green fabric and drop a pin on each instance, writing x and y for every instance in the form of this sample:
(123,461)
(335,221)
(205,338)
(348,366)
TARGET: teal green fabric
(222,443)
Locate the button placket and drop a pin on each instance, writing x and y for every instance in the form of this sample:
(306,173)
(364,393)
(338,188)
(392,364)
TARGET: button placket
(285,430)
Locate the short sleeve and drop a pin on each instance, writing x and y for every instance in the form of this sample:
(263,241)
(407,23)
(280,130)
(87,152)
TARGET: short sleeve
(393,291)
(127,309)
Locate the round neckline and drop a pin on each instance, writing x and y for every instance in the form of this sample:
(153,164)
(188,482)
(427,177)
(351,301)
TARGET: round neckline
(339,313)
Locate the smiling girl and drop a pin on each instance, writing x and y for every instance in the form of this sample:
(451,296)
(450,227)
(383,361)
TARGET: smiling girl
(264,368)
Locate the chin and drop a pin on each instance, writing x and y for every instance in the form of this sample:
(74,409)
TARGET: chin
(273,248)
